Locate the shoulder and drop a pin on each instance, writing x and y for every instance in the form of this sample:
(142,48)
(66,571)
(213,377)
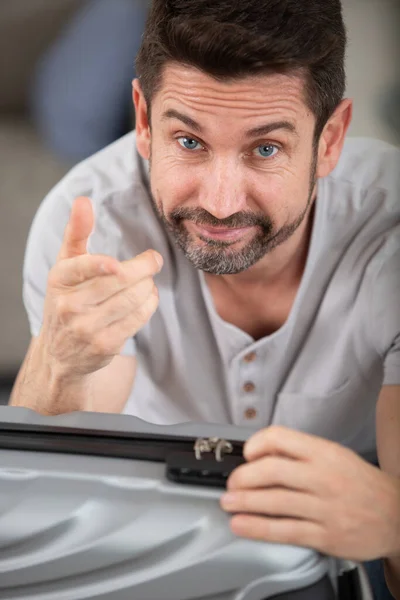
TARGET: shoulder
(368,170)
(360,208)
(361,197)
(364,199)
(367,161)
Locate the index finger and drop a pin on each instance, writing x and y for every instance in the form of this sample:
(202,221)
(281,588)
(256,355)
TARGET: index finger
(283,441)
(78,270)
(71,272)
(143,265)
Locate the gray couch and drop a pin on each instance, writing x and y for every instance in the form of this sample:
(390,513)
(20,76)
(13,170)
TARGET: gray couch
(27,169)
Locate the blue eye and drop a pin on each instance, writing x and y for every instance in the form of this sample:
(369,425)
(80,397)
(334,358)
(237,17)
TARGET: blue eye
(189,143)
(267,150)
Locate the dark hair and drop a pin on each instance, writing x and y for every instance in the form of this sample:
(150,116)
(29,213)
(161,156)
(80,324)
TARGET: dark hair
(229,39)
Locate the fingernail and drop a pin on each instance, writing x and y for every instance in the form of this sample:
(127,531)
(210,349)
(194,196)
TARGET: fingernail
(159,260)
(228,499)
(107,269)
(104,269)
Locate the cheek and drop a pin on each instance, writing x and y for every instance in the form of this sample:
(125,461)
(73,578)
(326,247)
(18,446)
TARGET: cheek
(279,193)
(295,183)
(172,183)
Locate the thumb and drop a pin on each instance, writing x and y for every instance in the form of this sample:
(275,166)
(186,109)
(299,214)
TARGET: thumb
(78,230)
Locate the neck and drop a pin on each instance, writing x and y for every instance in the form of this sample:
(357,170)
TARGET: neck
(283,266)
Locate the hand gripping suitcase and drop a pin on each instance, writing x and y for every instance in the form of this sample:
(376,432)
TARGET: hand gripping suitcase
(96,506)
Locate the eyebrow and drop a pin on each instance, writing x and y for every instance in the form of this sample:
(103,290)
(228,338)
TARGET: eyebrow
(268,128)
(175,114)
(252,133)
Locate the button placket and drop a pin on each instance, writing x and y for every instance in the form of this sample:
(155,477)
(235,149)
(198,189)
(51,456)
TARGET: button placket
(250,414)
(249,388)
(250,357)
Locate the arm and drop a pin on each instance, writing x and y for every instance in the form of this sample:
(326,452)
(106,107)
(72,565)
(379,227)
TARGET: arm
(388,444)
(42,389)
(384,319)
(84,312)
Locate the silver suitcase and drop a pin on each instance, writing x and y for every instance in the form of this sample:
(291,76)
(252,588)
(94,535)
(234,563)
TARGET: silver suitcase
(96,506)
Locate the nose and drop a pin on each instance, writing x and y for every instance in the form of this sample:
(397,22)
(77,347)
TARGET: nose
(222,191)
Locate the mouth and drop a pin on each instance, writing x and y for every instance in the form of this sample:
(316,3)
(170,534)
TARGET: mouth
(224,234)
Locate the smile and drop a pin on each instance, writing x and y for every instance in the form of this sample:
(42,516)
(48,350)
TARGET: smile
(218,233)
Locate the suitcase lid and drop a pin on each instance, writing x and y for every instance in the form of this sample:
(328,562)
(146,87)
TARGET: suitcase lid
(199,454)
(22,428)
(79,522)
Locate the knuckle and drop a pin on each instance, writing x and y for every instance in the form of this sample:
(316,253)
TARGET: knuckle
(81,331)
(332,486)
(131,299)
(147,287)
(142,313)
(68,308)
(344,522)
(63,308)
(153,303)
(273,470)
(235,479)
(291,537)
(321,540)
(75,268)
(102,345)
(151,259)
(138,294)
(244,501)
(279,503)
(330,451)
(53,278)
(145,311)
(79,275)
(275,433)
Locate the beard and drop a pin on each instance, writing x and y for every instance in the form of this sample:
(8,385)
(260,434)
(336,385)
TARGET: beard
(219,257)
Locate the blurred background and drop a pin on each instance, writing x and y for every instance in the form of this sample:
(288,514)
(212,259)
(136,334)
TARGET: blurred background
(65,92)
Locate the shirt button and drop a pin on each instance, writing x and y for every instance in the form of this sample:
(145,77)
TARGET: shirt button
(250,357)
(250,413)
(249,387)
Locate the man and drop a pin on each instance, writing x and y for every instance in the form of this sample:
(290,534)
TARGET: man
(278,298)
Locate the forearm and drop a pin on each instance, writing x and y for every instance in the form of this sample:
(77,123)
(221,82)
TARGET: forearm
(392,576)
(392,564)
(45,389)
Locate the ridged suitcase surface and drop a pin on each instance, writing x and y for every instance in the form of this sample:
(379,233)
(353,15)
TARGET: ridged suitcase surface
(80,525)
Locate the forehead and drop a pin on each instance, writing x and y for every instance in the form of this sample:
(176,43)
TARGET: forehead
(263,96)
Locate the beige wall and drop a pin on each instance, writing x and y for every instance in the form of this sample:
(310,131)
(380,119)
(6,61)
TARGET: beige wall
(373,61)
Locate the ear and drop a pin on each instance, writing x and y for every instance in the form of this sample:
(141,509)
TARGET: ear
(143,135)
(332,138)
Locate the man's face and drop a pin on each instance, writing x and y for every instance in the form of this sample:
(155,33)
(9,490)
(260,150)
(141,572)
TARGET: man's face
(232,165)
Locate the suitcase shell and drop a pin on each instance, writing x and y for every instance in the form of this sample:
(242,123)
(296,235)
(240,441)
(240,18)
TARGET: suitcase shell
(82,517)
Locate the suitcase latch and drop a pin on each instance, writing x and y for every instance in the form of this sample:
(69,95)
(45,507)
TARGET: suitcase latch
(209,465)
(219,446)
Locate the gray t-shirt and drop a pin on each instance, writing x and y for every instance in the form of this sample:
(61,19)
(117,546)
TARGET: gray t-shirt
(321,372)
